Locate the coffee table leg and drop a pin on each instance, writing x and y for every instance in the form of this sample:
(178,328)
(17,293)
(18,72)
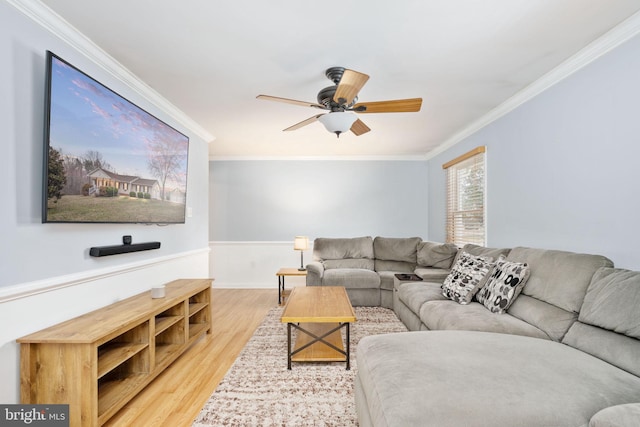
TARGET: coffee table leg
(348,347)
(289,346)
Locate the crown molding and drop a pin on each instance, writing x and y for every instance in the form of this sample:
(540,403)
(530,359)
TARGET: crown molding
(46,18)
(615,37)
(55,24)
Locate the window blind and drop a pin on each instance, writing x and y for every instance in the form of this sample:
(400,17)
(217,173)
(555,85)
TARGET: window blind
(465,198)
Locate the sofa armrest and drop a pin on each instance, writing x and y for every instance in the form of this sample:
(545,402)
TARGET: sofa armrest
(626,415)
(432,274)
(315,271)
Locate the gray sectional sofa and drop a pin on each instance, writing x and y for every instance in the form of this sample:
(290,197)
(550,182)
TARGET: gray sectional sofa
(366,267)
(565,353)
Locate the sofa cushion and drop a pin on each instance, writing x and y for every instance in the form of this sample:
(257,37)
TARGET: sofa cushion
(437,255)
(608,326)
(558,277)
(354,252)
(354,278)
(554,321)
(414,294)
(612,301)
(432,274)
(627,415)
(395,254)
(414,379)
(396,249)
(554,292)
(467,276)
(504,285)
(617,349)
(397,266)
(447,315)
(361,263)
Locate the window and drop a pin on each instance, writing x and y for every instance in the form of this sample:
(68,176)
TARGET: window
(465,198)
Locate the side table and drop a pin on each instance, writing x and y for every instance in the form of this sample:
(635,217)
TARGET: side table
(282,273)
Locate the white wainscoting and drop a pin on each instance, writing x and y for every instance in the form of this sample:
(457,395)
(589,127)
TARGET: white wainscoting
(34,306)
(254,264)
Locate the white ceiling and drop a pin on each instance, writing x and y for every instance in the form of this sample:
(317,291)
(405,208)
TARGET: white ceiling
(463,57)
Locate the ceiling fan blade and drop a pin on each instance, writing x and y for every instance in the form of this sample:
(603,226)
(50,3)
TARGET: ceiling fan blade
(410,105)
(303,123)
(358,127)
(349,86)
(290,101)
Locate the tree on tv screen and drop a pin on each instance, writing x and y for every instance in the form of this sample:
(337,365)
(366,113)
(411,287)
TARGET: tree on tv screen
(56,176)
(166,156)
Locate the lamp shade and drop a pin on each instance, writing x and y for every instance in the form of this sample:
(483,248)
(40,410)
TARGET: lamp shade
(301,243)
(338,121)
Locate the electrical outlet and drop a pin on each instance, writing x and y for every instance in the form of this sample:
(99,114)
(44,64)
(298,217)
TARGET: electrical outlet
(189,211)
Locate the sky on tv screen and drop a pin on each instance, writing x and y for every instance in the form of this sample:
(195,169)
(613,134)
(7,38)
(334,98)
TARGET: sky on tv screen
(86,116)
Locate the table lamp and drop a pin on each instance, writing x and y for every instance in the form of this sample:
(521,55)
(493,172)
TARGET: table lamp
(301,243)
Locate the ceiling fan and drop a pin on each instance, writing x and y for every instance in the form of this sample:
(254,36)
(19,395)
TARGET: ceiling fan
(341,100)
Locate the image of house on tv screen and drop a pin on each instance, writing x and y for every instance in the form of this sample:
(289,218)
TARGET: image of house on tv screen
(108,160)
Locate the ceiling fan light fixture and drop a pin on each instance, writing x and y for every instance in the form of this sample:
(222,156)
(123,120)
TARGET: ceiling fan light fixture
(338,121)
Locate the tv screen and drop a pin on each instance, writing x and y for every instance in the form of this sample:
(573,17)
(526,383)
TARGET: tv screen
(106,159)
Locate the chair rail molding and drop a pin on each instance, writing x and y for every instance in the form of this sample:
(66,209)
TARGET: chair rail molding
(25,290)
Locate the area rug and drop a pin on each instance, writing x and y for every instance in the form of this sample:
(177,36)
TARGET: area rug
(258,390)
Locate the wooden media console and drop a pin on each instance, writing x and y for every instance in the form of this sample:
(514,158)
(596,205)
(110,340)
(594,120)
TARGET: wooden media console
(99,361)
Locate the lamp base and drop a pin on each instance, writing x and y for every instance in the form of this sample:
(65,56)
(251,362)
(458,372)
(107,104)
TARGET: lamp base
(302,262)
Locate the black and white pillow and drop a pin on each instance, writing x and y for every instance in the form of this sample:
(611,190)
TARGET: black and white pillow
(467,276)
(504,285)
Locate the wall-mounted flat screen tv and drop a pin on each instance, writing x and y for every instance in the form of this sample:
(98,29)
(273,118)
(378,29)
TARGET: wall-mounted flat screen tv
(106,159)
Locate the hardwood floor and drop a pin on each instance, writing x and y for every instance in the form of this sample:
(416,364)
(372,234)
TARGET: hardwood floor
(177,395)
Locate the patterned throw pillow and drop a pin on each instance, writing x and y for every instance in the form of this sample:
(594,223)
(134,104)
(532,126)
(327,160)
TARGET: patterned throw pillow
(504,285)
(467,276)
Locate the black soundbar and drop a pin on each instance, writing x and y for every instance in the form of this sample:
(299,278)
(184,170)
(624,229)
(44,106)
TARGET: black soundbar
(123,249)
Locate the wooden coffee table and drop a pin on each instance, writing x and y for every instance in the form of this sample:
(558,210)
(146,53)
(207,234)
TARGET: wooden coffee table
(318,313)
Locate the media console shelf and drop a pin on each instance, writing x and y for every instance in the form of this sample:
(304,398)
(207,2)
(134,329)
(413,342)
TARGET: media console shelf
(99,361)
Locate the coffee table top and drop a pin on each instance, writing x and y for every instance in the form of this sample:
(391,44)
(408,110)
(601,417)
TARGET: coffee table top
(318,304)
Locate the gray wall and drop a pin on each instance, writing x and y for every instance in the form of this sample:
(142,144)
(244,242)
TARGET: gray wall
(33,251)
(276,200)
(563,169)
